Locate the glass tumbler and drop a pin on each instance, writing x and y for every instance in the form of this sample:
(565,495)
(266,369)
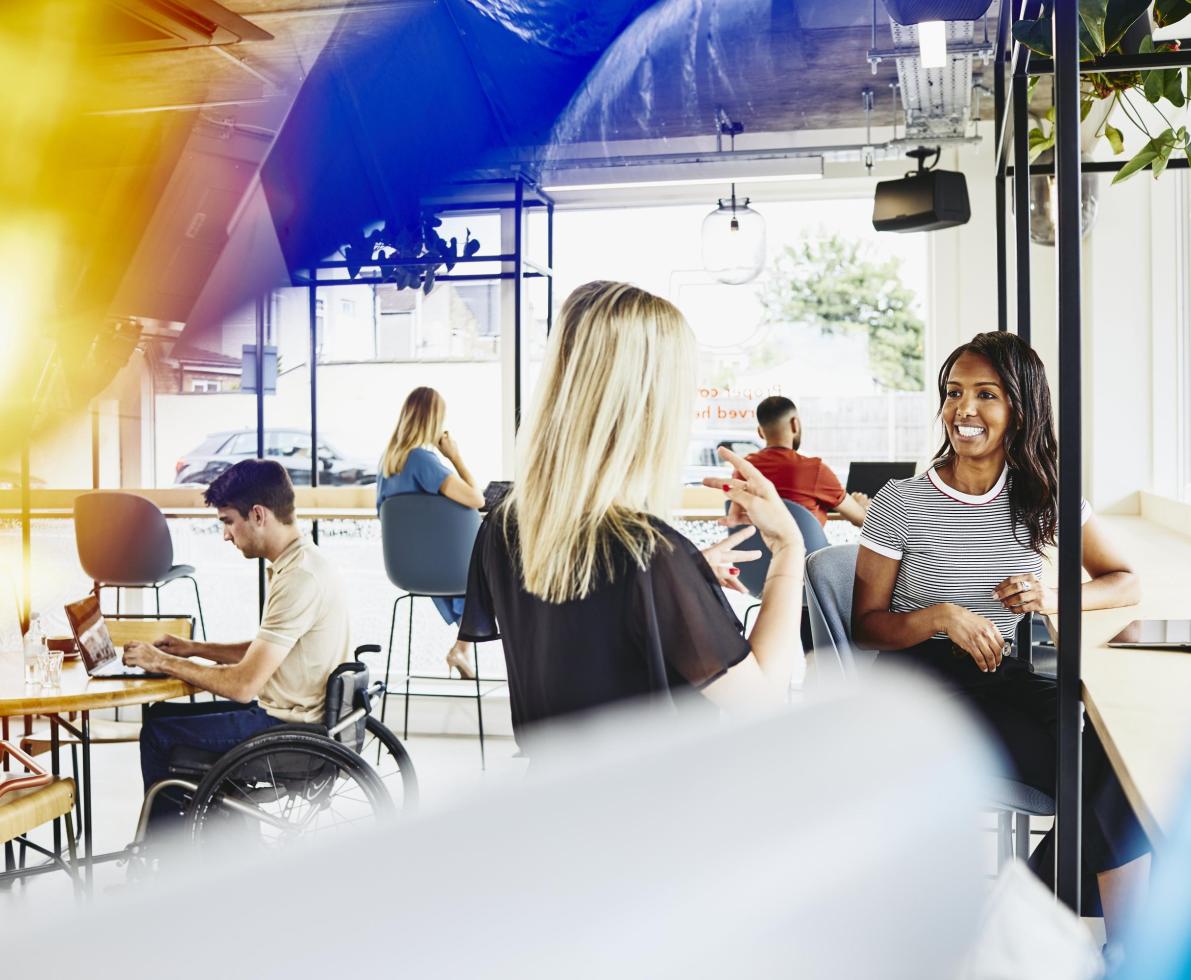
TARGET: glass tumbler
(53,668)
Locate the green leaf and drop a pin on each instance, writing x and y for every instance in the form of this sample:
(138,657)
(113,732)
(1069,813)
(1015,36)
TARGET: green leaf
(1035,35)
(1152,86)
(1091,22)
(1172,87)
(1039,143)
(1164,149)
(1085,106)
(1116,139)
(1144,157)
(1171,11)
(1119,17)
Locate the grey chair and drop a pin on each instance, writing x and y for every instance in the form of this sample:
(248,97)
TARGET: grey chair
(830,574)
(427,541)
(124,543)
(752,573)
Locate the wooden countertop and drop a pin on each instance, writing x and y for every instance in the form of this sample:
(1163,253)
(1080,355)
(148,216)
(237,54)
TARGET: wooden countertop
(77,692)
(1140,700)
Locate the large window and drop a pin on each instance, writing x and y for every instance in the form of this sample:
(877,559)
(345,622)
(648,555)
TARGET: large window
(835,322)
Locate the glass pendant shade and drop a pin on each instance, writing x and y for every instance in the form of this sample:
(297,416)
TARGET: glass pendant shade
(734,242)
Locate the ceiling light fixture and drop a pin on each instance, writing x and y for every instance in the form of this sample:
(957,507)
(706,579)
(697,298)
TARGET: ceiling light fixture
(733,241)
(932,44)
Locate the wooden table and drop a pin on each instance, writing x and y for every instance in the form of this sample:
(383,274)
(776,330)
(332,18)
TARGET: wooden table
(1140,700)
(79,694)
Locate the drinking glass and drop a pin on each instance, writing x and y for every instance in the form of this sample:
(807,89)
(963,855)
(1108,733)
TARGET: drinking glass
(53,668)
(36,655)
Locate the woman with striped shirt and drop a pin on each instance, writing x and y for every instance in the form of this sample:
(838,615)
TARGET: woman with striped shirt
(951,560)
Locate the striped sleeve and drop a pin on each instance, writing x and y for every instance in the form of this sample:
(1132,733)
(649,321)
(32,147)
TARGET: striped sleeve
(885,527)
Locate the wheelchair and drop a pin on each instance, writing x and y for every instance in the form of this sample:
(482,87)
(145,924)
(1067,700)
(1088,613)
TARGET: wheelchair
(295,780)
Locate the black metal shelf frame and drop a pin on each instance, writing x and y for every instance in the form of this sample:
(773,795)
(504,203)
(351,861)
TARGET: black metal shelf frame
(1012,122)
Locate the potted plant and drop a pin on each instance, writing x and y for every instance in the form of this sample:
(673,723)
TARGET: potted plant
(1108,27)
(416,242)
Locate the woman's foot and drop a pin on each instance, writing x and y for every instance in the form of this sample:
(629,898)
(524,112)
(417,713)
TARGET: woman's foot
(459,658)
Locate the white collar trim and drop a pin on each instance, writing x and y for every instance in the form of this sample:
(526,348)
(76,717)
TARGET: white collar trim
(968,498)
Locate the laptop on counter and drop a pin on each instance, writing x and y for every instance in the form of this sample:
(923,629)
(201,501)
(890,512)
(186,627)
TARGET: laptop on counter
(1155,634)
(100,656)
(868,478)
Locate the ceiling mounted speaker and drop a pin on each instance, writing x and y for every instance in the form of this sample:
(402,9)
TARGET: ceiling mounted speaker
(909,12)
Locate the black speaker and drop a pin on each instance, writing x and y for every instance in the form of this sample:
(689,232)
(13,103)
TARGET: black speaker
(923,201)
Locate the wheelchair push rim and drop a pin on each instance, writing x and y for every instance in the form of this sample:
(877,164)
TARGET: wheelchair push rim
(281,786)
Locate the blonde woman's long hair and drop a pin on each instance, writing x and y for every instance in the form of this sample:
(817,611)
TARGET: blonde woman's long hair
(419,424)
(603,444)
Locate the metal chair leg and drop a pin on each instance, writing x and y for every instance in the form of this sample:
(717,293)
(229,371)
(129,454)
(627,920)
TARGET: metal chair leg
(72,868)
(475,656)
(409,659)
(754,606)
(389,660)
(198,604)
(157,599)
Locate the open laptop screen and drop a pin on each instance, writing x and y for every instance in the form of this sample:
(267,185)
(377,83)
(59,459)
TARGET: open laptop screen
(91,632)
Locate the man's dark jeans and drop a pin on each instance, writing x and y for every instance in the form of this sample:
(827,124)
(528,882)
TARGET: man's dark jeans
(216,726)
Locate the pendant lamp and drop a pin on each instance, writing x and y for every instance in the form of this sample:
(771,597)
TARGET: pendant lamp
(733,241)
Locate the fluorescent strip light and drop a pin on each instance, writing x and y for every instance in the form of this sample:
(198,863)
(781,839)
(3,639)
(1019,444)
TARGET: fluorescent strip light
(682,174)
(932,44)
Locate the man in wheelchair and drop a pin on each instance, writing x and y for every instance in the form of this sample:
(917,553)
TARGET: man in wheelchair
(278,677)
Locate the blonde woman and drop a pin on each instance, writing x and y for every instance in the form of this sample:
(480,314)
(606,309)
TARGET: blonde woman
(409,466)
(595,597)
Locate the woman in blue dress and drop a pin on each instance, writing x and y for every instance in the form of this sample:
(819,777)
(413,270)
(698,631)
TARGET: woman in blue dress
(410,465)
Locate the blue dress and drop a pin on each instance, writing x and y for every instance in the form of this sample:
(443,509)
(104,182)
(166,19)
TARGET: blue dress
(424,472)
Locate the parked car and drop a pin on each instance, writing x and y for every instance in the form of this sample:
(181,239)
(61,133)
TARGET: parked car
(290,447)
(702,459)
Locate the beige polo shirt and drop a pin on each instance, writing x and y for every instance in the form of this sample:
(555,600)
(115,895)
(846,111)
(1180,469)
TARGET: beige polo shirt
(306,613)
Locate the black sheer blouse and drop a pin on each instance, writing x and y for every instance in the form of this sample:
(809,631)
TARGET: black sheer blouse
(646,633)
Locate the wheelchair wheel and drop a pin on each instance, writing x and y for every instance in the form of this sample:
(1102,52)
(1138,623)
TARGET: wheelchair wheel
(383,751)
(281,786)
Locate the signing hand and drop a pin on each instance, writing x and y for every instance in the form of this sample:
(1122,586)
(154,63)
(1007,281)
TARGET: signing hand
(175,646)
(723,559)
(447,446)
(138,654)
(755,501)
(976,635)
(1026,593)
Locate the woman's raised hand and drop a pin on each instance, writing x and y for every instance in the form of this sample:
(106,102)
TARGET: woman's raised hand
(755,501)
(1026,593)
(723,557)
(447,446)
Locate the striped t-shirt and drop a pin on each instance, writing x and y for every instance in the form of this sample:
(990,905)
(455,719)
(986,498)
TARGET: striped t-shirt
(953,547)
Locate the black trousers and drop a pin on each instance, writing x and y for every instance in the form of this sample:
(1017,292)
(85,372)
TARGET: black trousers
(1021,710)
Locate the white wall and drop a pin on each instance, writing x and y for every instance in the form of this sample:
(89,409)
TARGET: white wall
(1129,312)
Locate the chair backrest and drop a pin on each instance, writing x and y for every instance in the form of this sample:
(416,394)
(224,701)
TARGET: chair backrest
(123,539)
(427,541)
(125,629)
(830,574)
(347,689)
(752,573)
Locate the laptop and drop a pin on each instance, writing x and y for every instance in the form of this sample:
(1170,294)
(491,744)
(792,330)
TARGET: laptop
(494,493)
(868,478)
(1155,634)
(100,656)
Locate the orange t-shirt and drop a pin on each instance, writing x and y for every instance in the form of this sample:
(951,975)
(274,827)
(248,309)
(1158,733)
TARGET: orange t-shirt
(805,480)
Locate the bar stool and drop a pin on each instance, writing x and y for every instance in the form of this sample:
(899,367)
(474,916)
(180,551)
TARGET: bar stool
(427,541)
(124,543)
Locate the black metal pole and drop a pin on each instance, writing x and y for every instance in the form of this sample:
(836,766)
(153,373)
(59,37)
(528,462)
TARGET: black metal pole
(550,266)
(518,284)
(1021,202)
(999,176)
(312,306)
(1067,240)
(260,426)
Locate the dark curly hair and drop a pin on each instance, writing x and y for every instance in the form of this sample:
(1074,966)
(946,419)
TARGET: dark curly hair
(1031,449)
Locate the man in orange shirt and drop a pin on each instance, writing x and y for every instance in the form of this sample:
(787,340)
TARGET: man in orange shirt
(805,480)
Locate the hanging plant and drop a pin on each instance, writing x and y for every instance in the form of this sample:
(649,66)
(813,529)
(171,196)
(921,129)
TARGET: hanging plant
(416,244)
(1103,28)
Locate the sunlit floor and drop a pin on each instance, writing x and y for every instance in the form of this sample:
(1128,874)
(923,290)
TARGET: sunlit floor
(448,768)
